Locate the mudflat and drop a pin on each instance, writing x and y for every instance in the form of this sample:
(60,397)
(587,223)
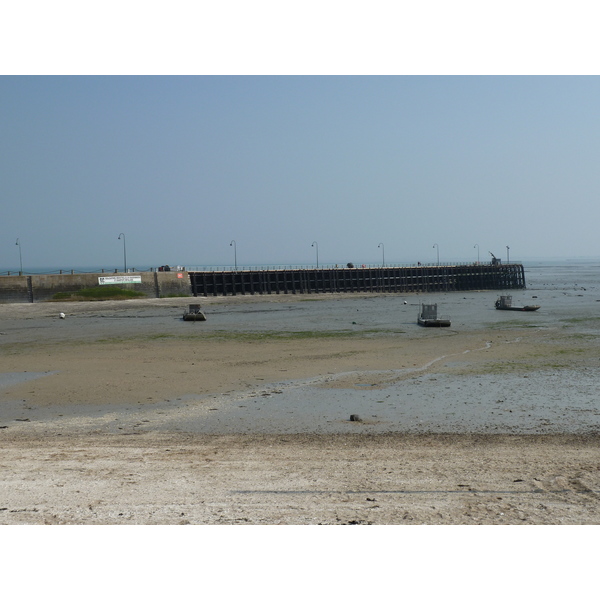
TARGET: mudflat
(124,413)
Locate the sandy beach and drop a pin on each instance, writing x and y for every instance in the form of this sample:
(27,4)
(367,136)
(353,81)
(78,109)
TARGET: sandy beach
(122,413)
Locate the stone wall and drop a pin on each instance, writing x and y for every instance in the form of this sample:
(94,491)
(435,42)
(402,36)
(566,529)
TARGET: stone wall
(41,288)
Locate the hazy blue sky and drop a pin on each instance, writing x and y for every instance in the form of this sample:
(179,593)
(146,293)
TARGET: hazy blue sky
(185,165)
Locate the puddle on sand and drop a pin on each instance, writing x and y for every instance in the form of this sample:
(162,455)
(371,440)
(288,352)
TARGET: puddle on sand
(544,403)
(10,379)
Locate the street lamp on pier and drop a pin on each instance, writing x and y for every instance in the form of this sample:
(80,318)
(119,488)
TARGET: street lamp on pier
(124,252)
(382,253)
(20,256)
(507,255)
(234,254)
(477,246)
(438,253)
(315,245)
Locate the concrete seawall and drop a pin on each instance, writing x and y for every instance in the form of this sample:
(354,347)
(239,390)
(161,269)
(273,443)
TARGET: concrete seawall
(42,288)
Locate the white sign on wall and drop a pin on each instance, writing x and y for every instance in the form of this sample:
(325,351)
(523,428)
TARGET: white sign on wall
(120,279)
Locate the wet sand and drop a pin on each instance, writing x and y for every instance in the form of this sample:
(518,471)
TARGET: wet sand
(124,413)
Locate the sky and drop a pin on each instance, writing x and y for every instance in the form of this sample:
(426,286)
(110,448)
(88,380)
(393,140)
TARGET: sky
(271,169)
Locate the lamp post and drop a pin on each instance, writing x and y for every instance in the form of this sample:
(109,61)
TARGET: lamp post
(477,246)
(20,256)
(382,253)
(234,254)
(507,255)
(124,252)
(438,253)
(315,245)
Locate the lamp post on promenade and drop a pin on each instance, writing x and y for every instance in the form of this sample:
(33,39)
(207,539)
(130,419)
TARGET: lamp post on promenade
(20,256)
(124,252)
(315,245)
(234,254)
(382,254)
(507,255)
(438,253)
(477,246)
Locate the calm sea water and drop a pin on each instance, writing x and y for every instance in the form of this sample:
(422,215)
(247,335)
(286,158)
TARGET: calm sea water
(566,275)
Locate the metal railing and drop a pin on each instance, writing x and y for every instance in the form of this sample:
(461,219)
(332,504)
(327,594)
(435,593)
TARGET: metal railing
(227,268)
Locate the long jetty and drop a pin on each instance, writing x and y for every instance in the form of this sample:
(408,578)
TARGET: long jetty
(437,278)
